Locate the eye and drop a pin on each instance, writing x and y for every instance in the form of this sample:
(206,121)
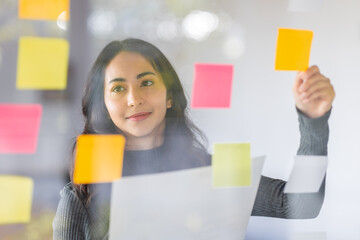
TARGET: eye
(147,83)
(118,89)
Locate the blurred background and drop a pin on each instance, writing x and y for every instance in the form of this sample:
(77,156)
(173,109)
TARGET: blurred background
(238,32)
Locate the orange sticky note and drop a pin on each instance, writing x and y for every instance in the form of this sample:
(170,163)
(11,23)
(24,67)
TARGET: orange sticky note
(16,200)
(293,49)
(43,9)
(99,158)
(42,63)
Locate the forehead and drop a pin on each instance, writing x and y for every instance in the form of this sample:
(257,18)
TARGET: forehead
(128,63)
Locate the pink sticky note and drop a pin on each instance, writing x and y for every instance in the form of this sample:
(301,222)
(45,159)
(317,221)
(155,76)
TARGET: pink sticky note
(19,127)
(212,86)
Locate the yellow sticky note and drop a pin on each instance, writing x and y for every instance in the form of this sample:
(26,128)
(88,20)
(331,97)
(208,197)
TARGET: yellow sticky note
(43,9)
(293,49)
(231,165)
(16,199)
(42,63)
(99,158)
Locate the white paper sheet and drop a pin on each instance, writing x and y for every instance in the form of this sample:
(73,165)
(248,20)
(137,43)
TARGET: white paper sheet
(309,236)
(307,174)
(181,205)
(304,5)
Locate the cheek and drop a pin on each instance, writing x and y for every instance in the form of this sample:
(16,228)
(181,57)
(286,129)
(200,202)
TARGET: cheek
(107,105)
(161,98)
(161,102)
(112,108)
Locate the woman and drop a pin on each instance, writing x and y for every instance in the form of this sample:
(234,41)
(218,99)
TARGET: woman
(133,90)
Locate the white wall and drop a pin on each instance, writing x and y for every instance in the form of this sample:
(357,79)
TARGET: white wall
(263,111)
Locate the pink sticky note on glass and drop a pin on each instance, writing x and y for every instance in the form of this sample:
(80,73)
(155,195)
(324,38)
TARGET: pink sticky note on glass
(19,127)
(212,86)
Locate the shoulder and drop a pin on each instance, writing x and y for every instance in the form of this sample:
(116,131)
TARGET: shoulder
(71,215)
(68,194)
(68,190)
(69,199)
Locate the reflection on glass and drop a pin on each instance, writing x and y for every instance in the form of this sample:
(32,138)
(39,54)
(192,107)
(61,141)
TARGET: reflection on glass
(61,21)
(101,22)
(199,24)
(167,30)
(234,46)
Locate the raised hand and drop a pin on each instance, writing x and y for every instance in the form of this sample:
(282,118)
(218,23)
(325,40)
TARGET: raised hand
(313,92)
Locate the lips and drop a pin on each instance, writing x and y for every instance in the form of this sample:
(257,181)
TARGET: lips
(139,116)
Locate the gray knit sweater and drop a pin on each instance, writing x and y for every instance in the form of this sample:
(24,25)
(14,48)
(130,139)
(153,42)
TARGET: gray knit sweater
(76,220)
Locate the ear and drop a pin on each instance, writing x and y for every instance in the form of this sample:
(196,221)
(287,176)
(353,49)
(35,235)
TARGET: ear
(169,103)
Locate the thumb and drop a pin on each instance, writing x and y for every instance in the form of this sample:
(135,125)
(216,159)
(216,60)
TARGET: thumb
(297,83)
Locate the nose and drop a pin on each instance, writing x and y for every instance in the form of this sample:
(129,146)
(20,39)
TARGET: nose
(134,98)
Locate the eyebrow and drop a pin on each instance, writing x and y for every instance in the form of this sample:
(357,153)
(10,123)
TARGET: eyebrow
(137,77)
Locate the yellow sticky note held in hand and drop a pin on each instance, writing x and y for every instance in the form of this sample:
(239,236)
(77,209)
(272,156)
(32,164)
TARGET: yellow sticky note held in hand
(43,9)
(42,63)
(16,199)
(293,49)
(99,158)
(231,165)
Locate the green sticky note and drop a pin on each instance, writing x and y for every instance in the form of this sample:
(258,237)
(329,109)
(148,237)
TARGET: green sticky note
(231,165)
(16,200)
(293,49)
(42,63)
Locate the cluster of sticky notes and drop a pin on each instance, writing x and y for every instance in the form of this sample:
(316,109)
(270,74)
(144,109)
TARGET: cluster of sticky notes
(19,128)
(98,158)
(212,86)
(293,49)
(43,9)
(213,82)
(307,174)
(231,165)
(42,63)
(16,199)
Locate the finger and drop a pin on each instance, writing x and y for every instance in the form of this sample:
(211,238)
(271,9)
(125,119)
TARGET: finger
(311,81)
(297,83)
(311,71)
(322,83)
(323,93)
(307,95)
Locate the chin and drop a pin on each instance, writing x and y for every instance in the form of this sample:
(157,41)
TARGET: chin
(139,133)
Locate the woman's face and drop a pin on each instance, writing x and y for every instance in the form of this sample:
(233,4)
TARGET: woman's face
(135,96)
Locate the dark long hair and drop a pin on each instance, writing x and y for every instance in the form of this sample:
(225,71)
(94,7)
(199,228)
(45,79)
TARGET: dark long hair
(97,120)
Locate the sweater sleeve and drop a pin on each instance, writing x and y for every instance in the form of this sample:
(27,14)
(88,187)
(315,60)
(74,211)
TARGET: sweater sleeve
(271,201)
(71,219)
